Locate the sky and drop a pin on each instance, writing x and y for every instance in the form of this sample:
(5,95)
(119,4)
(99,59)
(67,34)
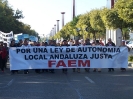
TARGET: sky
(41,15)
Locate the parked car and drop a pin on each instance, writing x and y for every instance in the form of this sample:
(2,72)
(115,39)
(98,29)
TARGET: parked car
(130,44)
(127,41)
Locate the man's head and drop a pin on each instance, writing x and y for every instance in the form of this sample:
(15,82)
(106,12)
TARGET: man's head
(49,42)
(100,40)
(52,42)
(71,40)
(12,42)
(109,40)
(87,41)
(97,41)
(25,42)
(1,43)
(38,43)
(123,43)
(76,42)
(42,43)
(65,42)
(45,43)
(82,41)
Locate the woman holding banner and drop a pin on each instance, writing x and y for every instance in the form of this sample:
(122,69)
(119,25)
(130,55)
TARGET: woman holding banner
(97,43)
(65,43)
(110,43)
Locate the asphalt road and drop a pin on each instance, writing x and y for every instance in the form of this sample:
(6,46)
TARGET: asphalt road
(73,85)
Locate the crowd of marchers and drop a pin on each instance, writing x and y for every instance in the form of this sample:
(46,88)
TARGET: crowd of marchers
(4,52)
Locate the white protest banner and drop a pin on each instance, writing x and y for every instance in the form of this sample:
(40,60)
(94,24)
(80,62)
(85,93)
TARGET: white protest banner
(20,37)
(51,57)
(32,38)
(26,35)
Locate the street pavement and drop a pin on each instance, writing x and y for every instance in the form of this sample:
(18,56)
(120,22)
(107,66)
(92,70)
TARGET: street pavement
(73,85)
(131,52)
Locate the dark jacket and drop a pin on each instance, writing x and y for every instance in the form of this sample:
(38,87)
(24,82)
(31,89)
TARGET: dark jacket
(3,53)
(65,45)
(87,43)
(110,44)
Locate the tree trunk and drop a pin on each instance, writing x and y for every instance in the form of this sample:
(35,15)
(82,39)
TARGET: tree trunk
(88,36)
(94,36)
(99,36)
(105,40)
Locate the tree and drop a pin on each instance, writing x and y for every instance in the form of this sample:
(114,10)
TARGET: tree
(69,29)
(72,26)
(9,20)
(18,14)
(112,20)
(6,18)
(84,25)
(96,21)
(125,9)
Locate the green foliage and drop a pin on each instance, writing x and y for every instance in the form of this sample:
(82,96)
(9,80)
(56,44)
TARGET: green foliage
(68,29)
(84,25)
(96,21)
(9,20)
(125,9)
(18,14)
(130,58)
(111,18)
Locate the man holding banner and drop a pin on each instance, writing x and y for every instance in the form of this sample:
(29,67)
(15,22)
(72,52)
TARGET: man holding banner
(110,43)
(65,43)
(52,43)
(26,45)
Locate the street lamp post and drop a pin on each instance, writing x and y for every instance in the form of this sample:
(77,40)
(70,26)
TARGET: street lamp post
(50,33)
(74,14)
(62,18)
(54,29)
(73,9)
(57,25)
